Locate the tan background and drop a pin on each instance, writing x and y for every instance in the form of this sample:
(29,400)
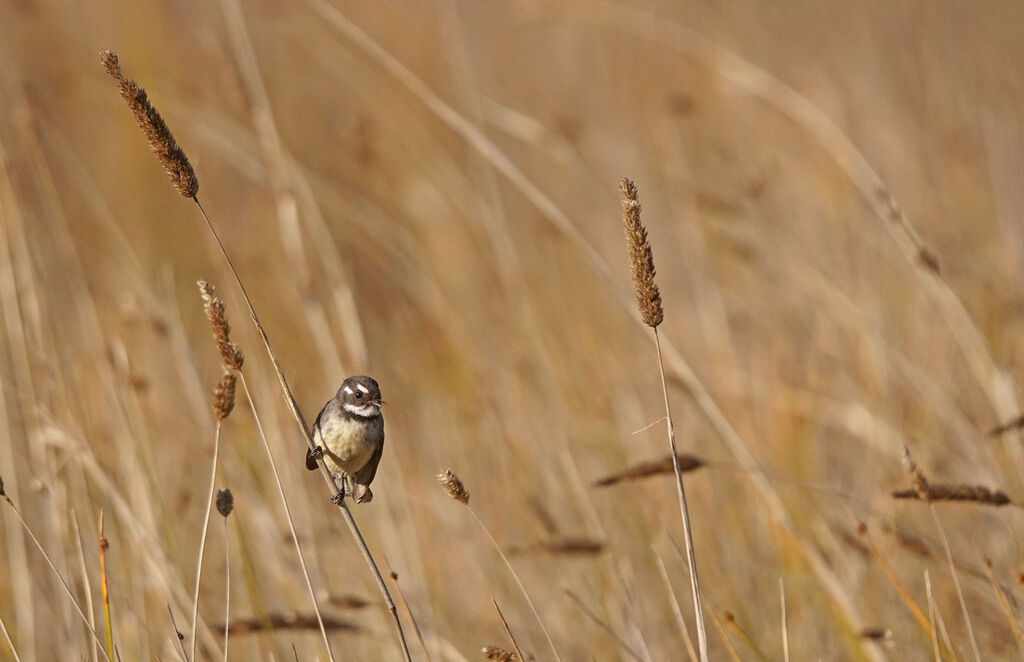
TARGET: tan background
(431,198)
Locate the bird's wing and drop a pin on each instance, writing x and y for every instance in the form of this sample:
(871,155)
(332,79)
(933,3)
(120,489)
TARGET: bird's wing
(365,475)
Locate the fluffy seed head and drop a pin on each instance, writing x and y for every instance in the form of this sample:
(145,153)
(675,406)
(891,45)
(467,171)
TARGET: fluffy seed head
(453,486)
(216,315)
(641,258)
(224,395)
(225,502)
(159,137)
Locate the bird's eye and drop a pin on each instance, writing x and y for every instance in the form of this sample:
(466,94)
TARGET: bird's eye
(359,396)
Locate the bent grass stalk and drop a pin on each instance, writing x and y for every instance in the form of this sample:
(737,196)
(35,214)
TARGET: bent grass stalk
(182,176)
(648,298)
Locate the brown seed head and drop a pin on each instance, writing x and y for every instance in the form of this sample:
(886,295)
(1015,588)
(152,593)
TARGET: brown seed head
(970,493)
(453,486)
(216,315)
(3,492)
(499,654)
(224,395)
(641,258)
(225,502)
(159,137)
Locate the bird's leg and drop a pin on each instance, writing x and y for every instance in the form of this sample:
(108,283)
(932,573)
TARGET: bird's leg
(339,496)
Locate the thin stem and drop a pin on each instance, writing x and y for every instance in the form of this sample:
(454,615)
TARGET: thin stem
(687,639)
(10,643)
(405,603)
(519,582)
(508,631)
(956,583)
(288,517)
(106,590)
(293,407)
(53,568)
(85,579)
(785,621)
(227,588)
(202,538)
(178,635)
(691,558)
(604,626)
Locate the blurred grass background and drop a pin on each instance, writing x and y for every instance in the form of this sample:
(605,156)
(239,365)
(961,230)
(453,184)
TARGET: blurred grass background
(448,221)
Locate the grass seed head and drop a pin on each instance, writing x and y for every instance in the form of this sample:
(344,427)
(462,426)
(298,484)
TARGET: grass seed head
(641,258)
(499,654)
(217,316)
(159,137)
(454,486)
(225,502)
(224,395)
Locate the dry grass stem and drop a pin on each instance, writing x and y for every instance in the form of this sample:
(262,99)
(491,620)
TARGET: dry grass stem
(457,490)
(604,626)
(220,405)
(53,568)
(508,631)
(641,262)
(641,258)
(922,488)
(178,636)
(104,546)
(84,570)
(159,137)
(288,517)
(1004,603)
(408,611)
(226,504)
(970,493)
(10,642)
(931,616)
(665,465)
(676,610)
(300,420)
(785,620)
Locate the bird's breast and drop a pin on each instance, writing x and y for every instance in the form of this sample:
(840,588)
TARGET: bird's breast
(350,442)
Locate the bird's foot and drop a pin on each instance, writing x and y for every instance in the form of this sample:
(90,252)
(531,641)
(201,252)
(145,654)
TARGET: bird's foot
(313,455)
(339,497)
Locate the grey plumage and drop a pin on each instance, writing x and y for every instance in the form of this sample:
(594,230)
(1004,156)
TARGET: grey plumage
(350,430)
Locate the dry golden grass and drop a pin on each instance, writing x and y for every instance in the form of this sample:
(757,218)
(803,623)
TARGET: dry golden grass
(427,192)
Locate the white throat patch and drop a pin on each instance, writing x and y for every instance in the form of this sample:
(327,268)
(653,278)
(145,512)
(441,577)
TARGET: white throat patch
(365,411)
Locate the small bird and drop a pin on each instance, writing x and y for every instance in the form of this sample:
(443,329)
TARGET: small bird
(349,433)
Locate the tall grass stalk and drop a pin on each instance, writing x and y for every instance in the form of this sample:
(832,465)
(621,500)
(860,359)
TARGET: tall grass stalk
(182,176)
(648,297)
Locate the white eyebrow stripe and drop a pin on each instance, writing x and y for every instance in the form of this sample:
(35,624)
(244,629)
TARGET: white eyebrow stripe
(363,388)
(348,389)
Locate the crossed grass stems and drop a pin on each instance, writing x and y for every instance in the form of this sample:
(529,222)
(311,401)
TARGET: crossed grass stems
(182,176)
(184,180)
